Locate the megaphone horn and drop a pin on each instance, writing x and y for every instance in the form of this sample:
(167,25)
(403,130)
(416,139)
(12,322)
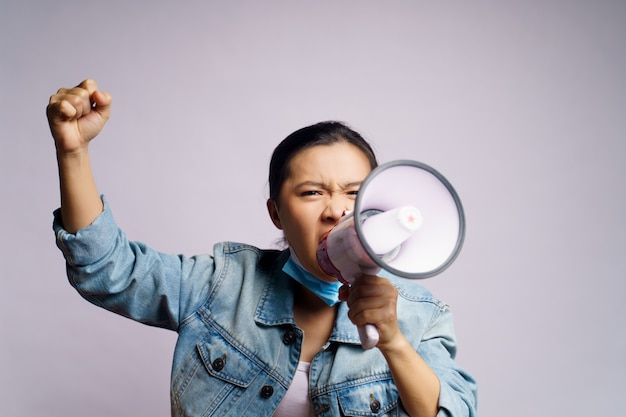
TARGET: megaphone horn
(407,219)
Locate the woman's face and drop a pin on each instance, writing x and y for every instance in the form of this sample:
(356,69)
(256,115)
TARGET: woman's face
(323,184)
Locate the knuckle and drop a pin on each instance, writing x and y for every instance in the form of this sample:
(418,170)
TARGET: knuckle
(81,92)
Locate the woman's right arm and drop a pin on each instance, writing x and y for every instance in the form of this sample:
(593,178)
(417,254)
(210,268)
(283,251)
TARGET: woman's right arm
(128,278)
(76,116)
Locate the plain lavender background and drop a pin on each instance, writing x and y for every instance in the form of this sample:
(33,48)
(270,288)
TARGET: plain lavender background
(521,105)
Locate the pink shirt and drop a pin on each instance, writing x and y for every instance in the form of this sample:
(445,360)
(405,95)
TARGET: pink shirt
(297,402)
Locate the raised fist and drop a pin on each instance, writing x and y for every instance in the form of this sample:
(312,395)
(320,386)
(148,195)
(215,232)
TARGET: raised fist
(76,115)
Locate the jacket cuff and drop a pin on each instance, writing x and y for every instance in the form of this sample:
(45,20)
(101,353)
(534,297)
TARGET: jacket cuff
(458,403)
(89,244)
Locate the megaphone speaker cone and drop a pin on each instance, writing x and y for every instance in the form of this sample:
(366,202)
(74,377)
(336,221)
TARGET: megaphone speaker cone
(422,199)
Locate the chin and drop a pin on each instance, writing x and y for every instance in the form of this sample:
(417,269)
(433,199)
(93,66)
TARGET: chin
(322,276)
(314,269)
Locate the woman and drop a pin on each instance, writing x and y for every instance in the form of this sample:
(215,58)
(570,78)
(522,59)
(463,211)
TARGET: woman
(262,332)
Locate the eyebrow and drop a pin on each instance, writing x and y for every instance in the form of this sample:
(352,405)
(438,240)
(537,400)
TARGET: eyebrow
(325,186)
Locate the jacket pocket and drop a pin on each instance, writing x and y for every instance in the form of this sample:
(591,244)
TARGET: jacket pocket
(213,378)
(379,398)
(225,362)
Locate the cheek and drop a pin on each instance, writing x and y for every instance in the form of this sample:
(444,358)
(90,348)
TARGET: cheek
(302,221)
(350,203)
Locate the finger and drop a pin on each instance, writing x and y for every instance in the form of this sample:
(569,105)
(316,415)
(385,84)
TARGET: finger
(377,312)
(372,307)
(60,92)
(89,85)
(60,109)
(372,287)
(372,299)
(83,92)
(69,105)
(66,111)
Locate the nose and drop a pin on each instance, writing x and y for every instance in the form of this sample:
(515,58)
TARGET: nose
(335,208)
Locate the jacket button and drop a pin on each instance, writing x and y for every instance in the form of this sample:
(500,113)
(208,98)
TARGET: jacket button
(218,364)
(267,391)
(375,406)
(289,337)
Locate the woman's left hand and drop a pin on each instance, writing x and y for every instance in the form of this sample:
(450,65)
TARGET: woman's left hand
(373,300)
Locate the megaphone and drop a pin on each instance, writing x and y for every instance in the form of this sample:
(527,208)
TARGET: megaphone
(407,220)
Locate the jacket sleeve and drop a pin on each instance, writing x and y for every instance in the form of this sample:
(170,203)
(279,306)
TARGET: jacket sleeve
(458,394)
(130,278)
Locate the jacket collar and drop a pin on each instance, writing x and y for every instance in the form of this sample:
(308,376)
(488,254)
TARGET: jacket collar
(276,305)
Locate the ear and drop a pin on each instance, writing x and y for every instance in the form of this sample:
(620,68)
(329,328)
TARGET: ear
(273,211)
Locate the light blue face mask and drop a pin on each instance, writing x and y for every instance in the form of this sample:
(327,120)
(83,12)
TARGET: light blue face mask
(327,291)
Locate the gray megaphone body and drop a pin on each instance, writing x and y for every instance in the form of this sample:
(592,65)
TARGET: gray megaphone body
(407,219)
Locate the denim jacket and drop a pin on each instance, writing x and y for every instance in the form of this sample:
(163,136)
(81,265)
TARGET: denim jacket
(238,343)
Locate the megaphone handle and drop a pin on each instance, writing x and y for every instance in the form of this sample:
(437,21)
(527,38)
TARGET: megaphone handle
(369,336)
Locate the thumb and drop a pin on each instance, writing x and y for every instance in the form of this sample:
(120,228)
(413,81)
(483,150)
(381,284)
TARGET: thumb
(102,103)
(344,292)
(100,100)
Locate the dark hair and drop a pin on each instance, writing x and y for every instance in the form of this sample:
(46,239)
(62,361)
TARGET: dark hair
(323,133)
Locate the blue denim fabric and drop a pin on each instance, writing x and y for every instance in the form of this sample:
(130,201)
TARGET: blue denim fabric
(238,344)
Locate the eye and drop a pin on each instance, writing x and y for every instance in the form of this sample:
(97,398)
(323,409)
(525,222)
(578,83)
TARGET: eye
(309,193)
